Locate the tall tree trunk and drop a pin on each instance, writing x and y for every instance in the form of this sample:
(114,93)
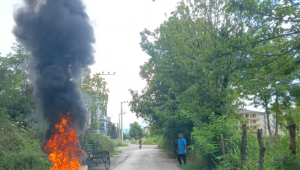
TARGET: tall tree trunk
(277,114)
(268,120)
(292,130)
(262,149)
(244,145)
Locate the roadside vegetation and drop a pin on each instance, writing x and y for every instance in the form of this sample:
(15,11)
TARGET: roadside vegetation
(21,138)
(206,60)
(119,144)
(136,132)
(149,140)
(103,141)
(20,146)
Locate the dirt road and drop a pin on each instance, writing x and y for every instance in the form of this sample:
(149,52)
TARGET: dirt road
(148,158)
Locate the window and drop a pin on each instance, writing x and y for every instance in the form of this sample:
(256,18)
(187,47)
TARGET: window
(253,115)
(247,115)
(254,121)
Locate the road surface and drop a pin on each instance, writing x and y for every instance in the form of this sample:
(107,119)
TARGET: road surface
(148,158)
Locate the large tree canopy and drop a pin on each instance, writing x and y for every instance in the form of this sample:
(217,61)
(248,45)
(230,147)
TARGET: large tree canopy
(209,55)
(136,131)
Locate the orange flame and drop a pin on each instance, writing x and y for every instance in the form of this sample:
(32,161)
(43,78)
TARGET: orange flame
(63,147)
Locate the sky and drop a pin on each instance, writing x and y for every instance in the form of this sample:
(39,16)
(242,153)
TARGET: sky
(117,26)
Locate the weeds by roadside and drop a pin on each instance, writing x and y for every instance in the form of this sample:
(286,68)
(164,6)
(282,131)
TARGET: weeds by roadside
(190,166)
(150,140)
(119,144)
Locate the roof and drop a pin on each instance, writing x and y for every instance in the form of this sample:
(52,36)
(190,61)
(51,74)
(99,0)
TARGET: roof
(250,112)
(147,127)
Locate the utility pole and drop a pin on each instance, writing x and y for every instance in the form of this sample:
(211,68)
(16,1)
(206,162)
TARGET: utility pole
(119,128)
(118,131)
(122,120)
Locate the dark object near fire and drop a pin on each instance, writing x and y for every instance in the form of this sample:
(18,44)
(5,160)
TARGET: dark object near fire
(96,156)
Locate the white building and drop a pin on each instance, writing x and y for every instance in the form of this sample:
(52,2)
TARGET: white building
(255,119)
(258,120)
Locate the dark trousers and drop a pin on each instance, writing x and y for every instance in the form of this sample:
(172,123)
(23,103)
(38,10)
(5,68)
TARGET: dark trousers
(183,156)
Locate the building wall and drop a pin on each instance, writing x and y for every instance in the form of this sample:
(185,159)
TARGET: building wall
(101,116)
(258,120)
(255,120)
(147,129)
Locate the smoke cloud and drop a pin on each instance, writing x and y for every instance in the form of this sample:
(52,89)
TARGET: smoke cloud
(59,37)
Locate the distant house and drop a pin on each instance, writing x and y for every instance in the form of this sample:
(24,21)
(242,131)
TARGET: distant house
(258,120)
(147,129)
(255,119)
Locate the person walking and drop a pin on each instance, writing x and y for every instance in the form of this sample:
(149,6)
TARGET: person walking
(181,149)
(140,142)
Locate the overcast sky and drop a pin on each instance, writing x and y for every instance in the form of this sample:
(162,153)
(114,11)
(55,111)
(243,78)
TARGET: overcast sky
(117,24)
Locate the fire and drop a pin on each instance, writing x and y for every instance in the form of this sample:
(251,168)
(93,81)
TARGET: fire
(63,146)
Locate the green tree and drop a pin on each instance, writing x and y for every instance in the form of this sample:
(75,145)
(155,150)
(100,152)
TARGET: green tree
(15,87)
(271,33)
(112,131)
(126,136)
(206,54)
(136,131)
(188,75)
(20,137)
(95,95)
(260,93)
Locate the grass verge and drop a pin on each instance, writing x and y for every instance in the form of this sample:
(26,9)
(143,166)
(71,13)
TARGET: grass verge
(149,141)
(119,144)
(189,166)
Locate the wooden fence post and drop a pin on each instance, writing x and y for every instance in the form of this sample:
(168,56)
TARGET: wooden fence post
(222,145)
(244,145)
(262,149)
(292,130)
(229,143)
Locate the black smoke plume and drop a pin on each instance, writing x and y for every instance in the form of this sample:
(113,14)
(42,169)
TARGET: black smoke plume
(59,37)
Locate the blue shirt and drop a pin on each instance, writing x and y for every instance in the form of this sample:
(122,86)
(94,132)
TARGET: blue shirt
(181,144)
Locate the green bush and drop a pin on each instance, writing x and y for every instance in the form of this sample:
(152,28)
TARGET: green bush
(209,155)
(277,155)
(107,143)
(207,139)
(119,144)
(165,145)
(24,159)
(151,140)
(19,147)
